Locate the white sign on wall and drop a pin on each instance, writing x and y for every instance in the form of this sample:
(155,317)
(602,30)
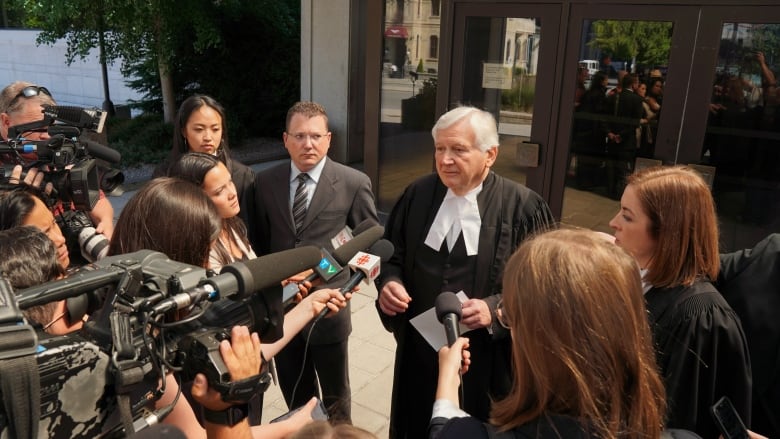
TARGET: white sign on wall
(495,75)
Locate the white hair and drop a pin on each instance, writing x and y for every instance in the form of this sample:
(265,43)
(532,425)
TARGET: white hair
(482,123)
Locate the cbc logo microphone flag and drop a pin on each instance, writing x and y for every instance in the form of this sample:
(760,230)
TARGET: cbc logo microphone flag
(368,264)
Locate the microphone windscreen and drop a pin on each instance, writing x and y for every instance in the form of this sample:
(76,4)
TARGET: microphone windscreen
(360,242)
(383,249)
(102,152)
(269,270)
(447,303)
(363,226)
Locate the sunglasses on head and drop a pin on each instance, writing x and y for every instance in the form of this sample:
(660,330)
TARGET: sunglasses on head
(30,91)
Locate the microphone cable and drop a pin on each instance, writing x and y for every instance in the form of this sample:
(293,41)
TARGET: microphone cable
(303,362)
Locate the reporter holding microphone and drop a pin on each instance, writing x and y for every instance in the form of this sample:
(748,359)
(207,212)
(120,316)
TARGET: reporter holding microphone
(582,355)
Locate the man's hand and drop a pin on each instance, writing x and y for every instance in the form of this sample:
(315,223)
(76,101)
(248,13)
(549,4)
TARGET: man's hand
(476,314)
(34,177)
(393,298)
(241,356)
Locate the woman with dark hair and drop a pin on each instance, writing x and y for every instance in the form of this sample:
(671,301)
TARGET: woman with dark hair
(582,353)
(158,217)
(146,223)
(30,259)
(211,175)
(25,205)
(667,221)
(201,126)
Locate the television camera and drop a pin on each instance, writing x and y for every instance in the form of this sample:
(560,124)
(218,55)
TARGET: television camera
(149,316)
(76,166)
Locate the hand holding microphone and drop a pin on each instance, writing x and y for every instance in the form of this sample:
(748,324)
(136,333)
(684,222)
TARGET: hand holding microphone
(366,266)
(366,234)
(448,311)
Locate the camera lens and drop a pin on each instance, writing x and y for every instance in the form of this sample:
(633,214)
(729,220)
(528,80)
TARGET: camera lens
(94,246)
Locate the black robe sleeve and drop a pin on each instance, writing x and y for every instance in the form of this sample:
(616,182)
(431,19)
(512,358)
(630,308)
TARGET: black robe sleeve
(702,354)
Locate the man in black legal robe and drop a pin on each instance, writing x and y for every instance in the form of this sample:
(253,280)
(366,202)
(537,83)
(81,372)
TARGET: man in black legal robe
(453,231)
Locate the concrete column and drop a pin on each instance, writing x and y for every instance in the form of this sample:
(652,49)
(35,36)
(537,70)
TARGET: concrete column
(325,53)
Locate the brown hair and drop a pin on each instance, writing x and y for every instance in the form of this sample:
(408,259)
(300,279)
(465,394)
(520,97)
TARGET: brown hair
(171,216)
(582,345)
(324,430)
(308,109)
(30,259)
(683,222)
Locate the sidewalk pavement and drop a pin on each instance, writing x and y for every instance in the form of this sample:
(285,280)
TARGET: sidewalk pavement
(371,355)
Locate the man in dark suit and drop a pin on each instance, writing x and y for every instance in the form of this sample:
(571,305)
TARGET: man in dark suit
(626,110)
(307,202)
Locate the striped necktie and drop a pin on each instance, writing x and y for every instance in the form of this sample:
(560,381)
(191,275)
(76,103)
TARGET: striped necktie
(299,202)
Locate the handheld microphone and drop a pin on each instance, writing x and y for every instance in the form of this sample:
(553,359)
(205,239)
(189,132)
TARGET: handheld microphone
(236,281)
(266,271)
(102,152)
(448,311)
(240,279)
(366,267)
(367,233)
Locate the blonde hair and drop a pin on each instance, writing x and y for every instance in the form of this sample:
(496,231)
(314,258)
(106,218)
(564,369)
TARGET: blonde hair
(582,342)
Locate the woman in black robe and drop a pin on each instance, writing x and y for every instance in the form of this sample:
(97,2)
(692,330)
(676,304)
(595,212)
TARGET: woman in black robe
(667,221)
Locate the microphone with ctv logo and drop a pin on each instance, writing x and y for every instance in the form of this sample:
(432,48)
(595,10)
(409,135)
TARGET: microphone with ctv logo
(448,311)
(366,234)
(366,266)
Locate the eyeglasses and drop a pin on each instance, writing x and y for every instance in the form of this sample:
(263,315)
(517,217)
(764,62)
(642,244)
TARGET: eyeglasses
(30,91)
(501,315)
(314,137)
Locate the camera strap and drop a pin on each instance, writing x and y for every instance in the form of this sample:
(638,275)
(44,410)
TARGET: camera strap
(19,379)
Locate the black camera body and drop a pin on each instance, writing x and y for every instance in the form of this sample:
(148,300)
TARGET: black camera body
(77,167)
(155,316)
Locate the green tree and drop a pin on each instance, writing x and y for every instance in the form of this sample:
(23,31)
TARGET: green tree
(133,30)
(642,42)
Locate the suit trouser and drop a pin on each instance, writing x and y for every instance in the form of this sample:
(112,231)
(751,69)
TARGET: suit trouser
(330,361)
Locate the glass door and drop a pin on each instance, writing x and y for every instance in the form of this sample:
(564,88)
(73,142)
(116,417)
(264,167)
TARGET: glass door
(738,119)
(627,71)
(503,61)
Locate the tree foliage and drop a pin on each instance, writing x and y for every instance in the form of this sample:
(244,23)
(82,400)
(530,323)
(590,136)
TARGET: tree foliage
(245,54)
(645,42)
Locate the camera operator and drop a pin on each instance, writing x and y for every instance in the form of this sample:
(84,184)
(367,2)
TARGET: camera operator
(21,103)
